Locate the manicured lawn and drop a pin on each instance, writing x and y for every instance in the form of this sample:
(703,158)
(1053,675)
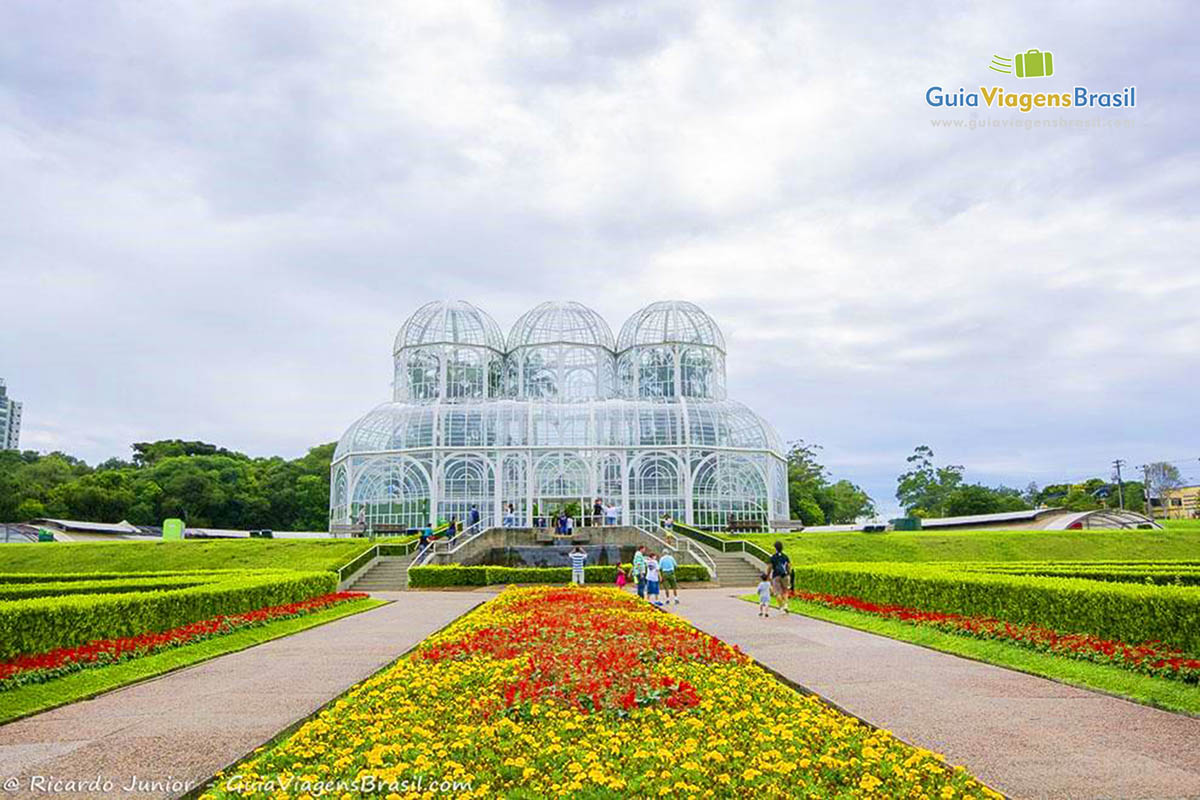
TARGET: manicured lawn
(1167,694)
(25,700)
(1178,542)
(253,554)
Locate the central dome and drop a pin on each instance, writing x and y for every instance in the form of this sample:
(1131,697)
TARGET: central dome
(560,322)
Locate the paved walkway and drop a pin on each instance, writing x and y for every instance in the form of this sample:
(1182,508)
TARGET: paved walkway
(187,725)
(1026,736)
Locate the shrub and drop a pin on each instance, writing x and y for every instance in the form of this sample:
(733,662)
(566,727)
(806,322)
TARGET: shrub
(35,625)
(1133,612)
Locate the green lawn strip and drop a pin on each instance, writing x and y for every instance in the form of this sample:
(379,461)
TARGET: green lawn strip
(1159,692)
(1177,542)
(325,555)
(34,698)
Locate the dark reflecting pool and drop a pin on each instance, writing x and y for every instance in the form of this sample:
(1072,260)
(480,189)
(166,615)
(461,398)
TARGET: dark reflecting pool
(556,555)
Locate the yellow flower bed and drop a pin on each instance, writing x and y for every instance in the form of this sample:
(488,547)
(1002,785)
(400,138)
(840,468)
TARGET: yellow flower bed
(585,693)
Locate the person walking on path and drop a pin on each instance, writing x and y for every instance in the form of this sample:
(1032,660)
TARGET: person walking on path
(781,567)
(622,579)
(578,559)
(473,517)
(652,575)
(666,566)
(764,596)
(639,570)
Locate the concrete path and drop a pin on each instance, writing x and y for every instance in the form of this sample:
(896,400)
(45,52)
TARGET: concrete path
(181,728)
(1025,736)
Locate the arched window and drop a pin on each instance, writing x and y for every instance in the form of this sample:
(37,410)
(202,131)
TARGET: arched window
(467,481)
(392,491)
(561,478)
(727,488)
(655,487)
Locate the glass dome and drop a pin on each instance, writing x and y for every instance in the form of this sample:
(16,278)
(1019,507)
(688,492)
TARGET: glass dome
(560,322)
(670,322)
(448,350)
(450,322)
(670,350)
(560,350)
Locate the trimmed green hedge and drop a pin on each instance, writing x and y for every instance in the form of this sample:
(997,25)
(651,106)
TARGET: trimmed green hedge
(458,575)
(61,588)
(36,625)
(1130,612)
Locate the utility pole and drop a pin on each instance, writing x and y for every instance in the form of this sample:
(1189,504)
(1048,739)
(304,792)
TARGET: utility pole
(1120,484)
(1145,468)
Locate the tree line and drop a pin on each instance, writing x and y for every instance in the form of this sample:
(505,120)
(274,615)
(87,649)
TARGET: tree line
(927,489)
(205,485)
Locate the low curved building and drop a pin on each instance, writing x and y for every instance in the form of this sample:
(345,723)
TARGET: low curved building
(556,415)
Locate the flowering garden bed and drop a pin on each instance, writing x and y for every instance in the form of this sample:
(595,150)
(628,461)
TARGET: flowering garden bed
(586,692)
(42,667)
(1149,658)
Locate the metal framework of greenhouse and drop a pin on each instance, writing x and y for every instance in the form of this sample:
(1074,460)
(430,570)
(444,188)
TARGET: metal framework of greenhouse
(559,414)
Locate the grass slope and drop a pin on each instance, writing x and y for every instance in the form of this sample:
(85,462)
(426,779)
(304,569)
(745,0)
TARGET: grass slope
(306,555)
(1095,545)
(34,698)
(1158,692)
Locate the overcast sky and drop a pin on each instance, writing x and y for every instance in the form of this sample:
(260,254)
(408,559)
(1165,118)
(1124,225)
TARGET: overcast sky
(215,216)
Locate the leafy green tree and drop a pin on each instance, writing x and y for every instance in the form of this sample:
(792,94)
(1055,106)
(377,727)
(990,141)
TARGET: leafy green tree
(976,499)
(816,501)
(924,488)
(208,486)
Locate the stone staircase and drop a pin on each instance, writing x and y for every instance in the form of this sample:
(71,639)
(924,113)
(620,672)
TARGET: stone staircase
(733,569)
(389,574)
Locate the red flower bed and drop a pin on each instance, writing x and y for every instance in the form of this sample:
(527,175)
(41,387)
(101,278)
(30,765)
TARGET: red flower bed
(587,651)
(1151,658)
(42,667)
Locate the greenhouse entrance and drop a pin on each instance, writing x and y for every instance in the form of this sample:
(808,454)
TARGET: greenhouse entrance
(547,509)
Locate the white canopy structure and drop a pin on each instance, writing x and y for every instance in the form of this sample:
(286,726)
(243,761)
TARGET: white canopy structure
(555,416)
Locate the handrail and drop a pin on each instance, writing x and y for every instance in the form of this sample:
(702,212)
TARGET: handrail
(462,537)
(373,552)
(724,545)
(702,557)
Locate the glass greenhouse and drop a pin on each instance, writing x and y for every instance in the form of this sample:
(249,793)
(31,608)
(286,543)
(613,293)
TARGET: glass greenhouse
(557,415)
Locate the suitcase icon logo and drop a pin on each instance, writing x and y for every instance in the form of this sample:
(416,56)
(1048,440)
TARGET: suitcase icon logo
(1030,64)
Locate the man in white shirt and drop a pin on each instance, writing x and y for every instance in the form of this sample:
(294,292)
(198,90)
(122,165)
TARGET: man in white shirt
(577,558)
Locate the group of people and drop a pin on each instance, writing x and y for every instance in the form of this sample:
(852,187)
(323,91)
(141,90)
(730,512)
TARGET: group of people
(602,514)
(653,573)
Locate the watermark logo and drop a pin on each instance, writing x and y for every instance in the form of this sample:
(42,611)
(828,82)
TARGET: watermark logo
(1030,64)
